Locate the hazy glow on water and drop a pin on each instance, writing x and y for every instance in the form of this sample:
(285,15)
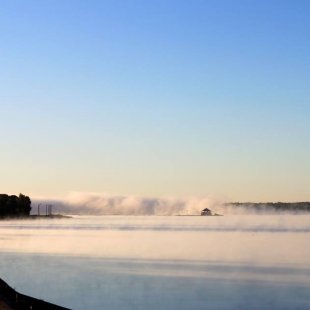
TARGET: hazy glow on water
(121,262)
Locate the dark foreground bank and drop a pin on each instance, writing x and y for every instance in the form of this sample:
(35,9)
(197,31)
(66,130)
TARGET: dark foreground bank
(12,300)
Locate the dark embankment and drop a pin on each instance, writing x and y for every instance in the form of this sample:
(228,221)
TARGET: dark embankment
(12,300)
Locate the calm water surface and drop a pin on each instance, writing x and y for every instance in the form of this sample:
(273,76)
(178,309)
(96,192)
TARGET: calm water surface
(155,262)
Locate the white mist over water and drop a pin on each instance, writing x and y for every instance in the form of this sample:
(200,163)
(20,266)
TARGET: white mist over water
(106,204)
(161,262)
(79,203)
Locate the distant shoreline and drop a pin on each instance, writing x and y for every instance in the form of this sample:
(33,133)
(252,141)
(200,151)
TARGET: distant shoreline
(36,217)
(272,206)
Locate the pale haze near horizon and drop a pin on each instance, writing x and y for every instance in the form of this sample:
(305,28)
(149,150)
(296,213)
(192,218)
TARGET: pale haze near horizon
(162,98)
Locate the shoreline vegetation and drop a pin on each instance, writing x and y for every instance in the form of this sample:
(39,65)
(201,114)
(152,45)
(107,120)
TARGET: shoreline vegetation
(271,206)
(14,206)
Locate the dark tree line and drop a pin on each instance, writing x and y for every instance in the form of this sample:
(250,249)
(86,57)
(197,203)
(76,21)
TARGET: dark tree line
(273,206)
(11,205)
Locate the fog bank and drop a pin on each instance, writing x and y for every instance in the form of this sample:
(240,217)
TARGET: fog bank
(106,204)
(80,203)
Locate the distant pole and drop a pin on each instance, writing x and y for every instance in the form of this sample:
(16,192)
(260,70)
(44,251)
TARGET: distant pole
(48,210)
(39,205)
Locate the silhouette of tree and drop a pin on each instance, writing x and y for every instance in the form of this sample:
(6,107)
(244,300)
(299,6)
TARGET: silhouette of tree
(14,206)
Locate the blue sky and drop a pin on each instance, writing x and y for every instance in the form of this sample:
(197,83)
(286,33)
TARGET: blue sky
(156,98)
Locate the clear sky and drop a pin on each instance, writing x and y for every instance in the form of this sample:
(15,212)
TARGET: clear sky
(156,98)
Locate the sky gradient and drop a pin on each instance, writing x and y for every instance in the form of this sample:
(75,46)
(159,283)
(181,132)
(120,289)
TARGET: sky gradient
(156,98)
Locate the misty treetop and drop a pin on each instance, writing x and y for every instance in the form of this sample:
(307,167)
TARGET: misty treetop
(11,205)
